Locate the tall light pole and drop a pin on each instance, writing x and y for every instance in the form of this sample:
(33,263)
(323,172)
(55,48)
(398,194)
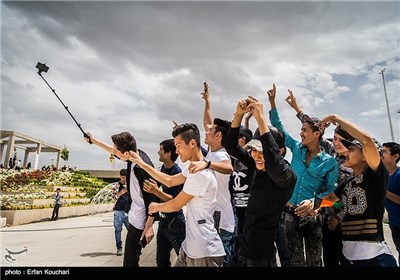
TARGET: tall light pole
(387,104)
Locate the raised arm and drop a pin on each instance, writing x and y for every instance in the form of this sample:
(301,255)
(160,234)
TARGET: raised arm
(99,143)
(256,108)
(241,110)
(247,120)
(369,149)
(207,117)
(292,101)
(271,96)
(290,142)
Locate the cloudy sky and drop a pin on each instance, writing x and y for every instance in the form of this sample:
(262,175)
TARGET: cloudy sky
(136,66)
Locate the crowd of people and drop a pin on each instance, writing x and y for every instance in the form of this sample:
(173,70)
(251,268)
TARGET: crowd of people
(246,204)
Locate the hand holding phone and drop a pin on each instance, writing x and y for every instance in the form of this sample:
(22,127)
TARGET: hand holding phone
(143,242)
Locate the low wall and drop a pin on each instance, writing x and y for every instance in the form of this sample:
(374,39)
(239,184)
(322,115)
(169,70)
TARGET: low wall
(20,217)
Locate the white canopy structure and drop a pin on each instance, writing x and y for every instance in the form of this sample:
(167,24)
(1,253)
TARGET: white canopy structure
(13,139)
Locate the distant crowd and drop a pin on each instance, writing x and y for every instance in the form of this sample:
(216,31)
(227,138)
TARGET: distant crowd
(13,163)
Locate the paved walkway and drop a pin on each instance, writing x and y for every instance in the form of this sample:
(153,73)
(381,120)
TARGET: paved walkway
(86,241)
(80,241)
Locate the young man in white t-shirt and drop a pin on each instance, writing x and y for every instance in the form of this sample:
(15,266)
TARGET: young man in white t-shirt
(202,245)
(224,217)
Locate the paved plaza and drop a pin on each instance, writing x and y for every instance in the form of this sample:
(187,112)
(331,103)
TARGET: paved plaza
(80,241)
(86,241)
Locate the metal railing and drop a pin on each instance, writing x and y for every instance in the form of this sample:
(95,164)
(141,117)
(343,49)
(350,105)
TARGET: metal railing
(96,165)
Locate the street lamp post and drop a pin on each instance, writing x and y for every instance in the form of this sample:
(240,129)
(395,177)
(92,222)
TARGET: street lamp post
(387,104)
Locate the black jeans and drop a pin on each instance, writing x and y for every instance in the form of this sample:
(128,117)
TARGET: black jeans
(245,262)
(132,247)
(170,235)
(396,240)
(331,244)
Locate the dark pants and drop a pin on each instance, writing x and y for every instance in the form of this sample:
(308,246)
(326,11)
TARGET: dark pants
(238,259)
(283,252)
(132,247)
(239,220)
(170,235)
(54,216)
(331,244)
(245,262)
(304,239)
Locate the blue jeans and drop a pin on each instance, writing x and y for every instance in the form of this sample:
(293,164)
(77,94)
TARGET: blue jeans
(227,239)
(170,235)
(120,218)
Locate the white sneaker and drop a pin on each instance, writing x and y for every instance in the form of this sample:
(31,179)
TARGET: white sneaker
(119,252)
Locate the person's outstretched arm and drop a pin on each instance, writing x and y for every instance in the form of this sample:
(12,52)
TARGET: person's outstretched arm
(165,179)
(100,144)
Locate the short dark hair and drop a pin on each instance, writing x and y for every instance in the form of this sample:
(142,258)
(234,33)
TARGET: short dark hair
(394,148)
(187,131)
(122,172)
(124,142)
(278,135)
(339,130)
(169,146)
(223,127)
(58,189)
(246,133)
(313,121)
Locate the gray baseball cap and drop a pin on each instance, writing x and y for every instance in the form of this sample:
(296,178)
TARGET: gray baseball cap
(254,144)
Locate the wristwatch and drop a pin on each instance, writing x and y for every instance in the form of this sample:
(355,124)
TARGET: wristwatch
(208,162)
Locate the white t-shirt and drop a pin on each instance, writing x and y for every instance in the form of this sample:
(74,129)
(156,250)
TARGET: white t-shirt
(137,214)
(364,250)
(202,239)
(224,204)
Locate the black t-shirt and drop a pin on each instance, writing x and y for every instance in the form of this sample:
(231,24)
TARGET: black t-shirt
(363,198)
(174,191)
(239,186)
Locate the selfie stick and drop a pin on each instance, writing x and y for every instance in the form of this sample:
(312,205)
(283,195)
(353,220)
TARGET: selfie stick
(43,68)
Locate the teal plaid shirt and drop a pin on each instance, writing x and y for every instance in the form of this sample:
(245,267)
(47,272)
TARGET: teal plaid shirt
(320,178)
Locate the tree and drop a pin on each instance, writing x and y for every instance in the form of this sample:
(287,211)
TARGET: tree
(65,154)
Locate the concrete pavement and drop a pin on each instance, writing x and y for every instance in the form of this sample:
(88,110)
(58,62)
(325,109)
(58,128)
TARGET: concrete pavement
(80,241)
(86,241)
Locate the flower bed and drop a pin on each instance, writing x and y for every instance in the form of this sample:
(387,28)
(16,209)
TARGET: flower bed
(27,185)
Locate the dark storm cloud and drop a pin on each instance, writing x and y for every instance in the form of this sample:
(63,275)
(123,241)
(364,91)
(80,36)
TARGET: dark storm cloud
(137,66)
